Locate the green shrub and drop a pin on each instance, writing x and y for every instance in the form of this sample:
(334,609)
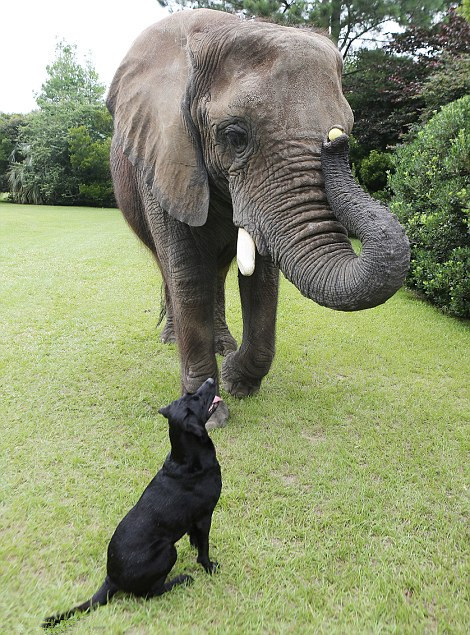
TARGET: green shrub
(372,172)
(431,197)
(89,160)
(97,194)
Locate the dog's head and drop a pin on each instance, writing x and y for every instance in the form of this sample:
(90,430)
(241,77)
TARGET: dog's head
(190,412)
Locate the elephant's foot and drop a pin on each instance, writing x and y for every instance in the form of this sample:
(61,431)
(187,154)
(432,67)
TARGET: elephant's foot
(219,418)
(225,343)
(167,336)
(235,380)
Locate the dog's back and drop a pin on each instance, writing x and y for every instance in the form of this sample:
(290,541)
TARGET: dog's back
(175,500)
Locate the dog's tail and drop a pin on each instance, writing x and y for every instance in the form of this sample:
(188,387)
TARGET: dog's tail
(101,597)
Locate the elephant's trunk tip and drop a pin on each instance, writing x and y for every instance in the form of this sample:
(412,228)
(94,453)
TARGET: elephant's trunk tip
(336,141)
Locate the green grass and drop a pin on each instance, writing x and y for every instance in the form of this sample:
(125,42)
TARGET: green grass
(344,506)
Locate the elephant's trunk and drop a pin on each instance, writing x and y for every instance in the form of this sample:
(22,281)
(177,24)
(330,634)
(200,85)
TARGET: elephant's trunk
(373,277)
(315,253)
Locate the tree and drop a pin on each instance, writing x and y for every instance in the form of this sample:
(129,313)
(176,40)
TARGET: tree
(387,88)
(394,89)
(444,50)
(383,90)
(9,129)
(70,98)
(450,81)
(346,21)
(69,82)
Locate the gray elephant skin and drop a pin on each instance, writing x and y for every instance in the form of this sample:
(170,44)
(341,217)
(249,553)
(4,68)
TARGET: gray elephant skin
(221,124)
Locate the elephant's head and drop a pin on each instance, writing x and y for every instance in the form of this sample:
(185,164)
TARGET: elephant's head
(206,103)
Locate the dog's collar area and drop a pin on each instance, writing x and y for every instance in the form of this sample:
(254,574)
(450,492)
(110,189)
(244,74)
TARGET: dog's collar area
(175,469)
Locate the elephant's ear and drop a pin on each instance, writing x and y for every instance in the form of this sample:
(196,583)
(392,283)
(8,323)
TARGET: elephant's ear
(148,101)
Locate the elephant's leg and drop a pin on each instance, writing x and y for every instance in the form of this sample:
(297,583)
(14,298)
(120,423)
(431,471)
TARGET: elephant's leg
(243,370)
(191,282)
(224,341)
(192,294)
(193,314)
(167,336)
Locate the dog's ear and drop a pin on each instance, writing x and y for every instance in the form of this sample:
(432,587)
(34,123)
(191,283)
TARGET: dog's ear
(193,426)
(165,411)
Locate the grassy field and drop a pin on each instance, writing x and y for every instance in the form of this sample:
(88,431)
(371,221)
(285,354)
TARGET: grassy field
(344,506)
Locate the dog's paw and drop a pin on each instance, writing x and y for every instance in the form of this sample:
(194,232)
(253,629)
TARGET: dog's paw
(211,568)
(219,418)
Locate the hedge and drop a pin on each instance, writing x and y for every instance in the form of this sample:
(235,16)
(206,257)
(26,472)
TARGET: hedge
(431,197)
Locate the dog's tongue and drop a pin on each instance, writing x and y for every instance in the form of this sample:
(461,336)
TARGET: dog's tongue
(213,405)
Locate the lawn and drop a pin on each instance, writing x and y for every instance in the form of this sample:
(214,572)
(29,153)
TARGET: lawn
(344,506)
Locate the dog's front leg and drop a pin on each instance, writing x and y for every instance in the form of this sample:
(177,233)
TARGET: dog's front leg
(199,538)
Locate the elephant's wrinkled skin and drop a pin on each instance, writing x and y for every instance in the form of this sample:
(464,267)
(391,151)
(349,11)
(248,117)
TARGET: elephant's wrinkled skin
(222,124)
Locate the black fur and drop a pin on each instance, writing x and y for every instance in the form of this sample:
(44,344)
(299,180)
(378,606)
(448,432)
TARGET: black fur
(179,500)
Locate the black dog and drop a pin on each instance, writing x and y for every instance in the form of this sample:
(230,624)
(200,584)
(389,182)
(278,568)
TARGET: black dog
(180,499)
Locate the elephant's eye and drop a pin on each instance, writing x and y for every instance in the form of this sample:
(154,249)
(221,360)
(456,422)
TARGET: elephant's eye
(237,137)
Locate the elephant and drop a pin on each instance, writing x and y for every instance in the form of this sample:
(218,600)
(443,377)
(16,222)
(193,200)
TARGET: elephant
(233,134)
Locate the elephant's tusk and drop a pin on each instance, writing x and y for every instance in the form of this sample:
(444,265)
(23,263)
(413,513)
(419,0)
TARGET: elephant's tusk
(245,253)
